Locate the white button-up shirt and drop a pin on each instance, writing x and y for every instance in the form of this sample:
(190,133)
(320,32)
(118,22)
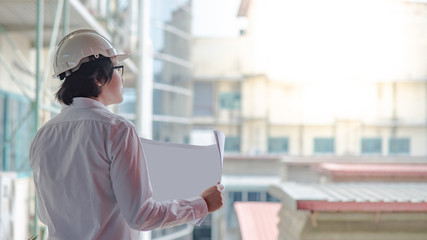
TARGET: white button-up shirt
(92,181)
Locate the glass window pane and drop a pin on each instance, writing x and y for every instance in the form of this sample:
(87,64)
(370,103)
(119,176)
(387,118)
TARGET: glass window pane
(170,43)
(399,146)
(254,196)
(324,145)
(203,232)
(171,132)
(270,198)
(172,74)
(17,129)
(173,12)
(231,213)
(13,119)
(371,146)
(278,145)
(128,106)
(203,99)
(171,104)
(158,38)
(235,196)
(232,144)
(230,100)
(2,128)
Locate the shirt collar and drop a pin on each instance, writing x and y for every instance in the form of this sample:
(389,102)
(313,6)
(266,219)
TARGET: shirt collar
(84,102)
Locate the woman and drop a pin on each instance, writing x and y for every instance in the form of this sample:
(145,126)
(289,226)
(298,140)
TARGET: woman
(89,168)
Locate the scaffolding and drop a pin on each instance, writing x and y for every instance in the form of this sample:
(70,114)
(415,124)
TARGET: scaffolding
(41,24)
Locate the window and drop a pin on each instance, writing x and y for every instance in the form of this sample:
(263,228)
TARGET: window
(271,198)
(203,232)
(171,74)
(232,144)
(203,99)
(167,41)
(278,145)
(230,100)
(128,106)
(161,232)
(231,214)
(2,128)
(399,146)
(324,145)
(170,132)
(254,196)
(16,132)
(371,146)
(165,11)
(171,104)
(234,196)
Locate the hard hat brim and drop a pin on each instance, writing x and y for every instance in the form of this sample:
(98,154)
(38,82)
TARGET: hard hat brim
(121,57)
(75,49)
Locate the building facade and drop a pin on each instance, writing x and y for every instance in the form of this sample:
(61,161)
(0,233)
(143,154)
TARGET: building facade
(316,82)
(169,38)
(268,101)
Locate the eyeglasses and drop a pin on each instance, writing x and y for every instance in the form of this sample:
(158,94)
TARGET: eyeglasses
(120,69)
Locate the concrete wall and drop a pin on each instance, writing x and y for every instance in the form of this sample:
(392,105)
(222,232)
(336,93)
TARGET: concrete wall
(369,225)
(305,225)
(255,166)
(283,112)
(301,113)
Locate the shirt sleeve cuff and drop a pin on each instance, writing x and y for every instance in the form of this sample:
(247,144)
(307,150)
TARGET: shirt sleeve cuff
(200,209)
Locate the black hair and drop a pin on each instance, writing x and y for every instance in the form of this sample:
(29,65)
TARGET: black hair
(83,82)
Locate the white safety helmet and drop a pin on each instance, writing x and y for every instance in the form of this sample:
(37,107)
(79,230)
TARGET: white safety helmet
(77,47)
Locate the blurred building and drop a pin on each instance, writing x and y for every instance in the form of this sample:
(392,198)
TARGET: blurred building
(350,199)
(292,89)
(169,70)
(157,83)
(258,220)
(352,211)
(340,198)
(312,83)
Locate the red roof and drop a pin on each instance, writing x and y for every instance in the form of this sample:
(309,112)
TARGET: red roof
(357,197)
(375,169)
(258,220)
(362,206)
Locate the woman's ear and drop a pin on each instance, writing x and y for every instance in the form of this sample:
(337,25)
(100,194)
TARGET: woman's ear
(98,83)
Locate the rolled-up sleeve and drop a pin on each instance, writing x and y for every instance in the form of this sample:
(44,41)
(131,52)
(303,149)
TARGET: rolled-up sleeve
(132,189)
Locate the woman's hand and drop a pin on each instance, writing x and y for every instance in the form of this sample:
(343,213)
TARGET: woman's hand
(213,197)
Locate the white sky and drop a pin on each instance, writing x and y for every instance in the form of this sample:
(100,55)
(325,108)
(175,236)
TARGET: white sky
(215,18)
